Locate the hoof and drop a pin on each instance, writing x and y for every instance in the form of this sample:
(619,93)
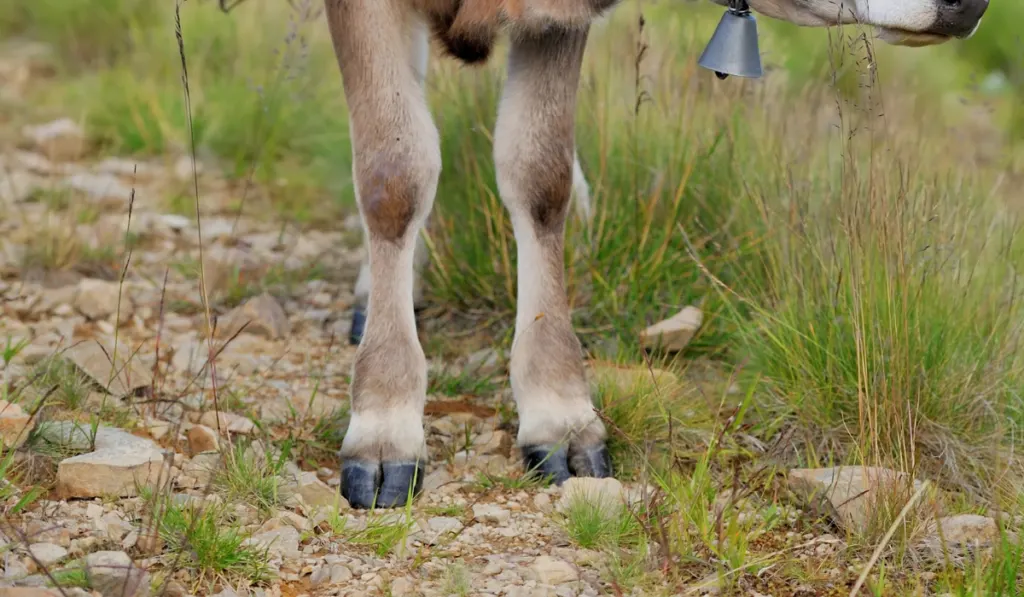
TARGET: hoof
(355,334)
(591,462)
(547,461)
(556,463)
(380,485)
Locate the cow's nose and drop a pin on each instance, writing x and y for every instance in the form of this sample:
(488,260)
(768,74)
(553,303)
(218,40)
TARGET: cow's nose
(958,18)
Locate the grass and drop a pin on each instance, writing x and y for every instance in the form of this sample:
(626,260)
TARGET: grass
(251,476)
(197,538)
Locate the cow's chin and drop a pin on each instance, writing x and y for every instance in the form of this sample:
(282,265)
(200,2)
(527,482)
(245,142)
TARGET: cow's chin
(902,37)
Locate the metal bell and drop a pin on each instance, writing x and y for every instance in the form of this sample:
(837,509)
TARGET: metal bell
(733,48)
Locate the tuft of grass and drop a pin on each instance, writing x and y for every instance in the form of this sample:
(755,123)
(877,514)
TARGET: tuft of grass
(251,476)
(61,380)
(460,383)
(513,482)
(595,524)
(383,531)
(456,580)
(198,539)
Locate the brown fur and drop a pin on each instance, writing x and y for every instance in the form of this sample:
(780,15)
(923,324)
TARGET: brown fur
(388,196)
(468,29)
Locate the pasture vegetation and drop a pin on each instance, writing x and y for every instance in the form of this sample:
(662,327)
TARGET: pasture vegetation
(848,226)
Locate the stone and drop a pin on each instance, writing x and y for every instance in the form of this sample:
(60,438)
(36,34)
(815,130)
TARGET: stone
(47,554)
(18,186)
(483,360)
(261,315)
(29,592)
(119,464)
(119,374)
(202,439)
(98,299)
(553,571)
(113,574)
(15,425)
(102,189)
(674,333)
(60,139)
(444,524)
(317,494)
(542,502)
(402,586)
(849,493)
(282,542)
(491,513)
(606,493)
(960,531)
(227,422)
(340,573)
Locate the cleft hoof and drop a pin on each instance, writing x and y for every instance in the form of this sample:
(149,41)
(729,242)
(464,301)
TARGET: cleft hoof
(547,461)
(592,461)
(369,485)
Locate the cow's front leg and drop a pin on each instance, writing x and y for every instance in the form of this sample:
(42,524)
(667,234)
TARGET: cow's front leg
(396,164)
(560,433)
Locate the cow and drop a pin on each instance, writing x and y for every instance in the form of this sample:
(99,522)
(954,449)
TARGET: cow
(381,48)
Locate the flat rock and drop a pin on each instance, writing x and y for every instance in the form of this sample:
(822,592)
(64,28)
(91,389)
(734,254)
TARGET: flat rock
(227,422)
(60,139)
(119,464)
(103,189)
(553,571)
(961,530)
(113,574)
(491,513)
(261,315)
(607,493)
(674,333)
(18,186)
(115,373)
(29,592)
(283,542)
(47,554)
(317,494)
(15,424)
(849,493)
(99,299)
(444,524)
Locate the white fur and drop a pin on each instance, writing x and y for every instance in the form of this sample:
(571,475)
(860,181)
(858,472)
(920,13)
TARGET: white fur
(400,428)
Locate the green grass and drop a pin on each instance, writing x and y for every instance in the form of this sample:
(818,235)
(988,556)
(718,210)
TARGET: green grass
(198,539)
(251,476)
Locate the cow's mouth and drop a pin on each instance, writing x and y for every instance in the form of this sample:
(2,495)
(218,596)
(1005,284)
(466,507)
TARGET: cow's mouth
(902,37)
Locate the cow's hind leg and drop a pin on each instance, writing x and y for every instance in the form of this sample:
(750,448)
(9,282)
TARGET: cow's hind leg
(396,164)
(559,431)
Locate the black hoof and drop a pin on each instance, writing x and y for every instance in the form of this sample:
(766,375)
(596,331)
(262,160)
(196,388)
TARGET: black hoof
(547,461)
(366,484)
(355,334)
(558,463)
(591,462)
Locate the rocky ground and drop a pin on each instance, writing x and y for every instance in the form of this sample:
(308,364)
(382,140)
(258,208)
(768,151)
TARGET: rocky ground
(137,464)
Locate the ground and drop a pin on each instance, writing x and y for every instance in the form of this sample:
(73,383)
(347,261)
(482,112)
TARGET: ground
(175,321)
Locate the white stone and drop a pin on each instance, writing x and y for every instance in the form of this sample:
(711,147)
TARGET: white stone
(491,513)
(120,463)
(47,554)
(553,571)
(674,333)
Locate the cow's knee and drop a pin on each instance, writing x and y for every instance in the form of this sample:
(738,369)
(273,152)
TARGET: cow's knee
(396,189)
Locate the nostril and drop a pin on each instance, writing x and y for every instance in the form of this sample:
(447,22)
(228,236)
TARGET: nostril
(951,3)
